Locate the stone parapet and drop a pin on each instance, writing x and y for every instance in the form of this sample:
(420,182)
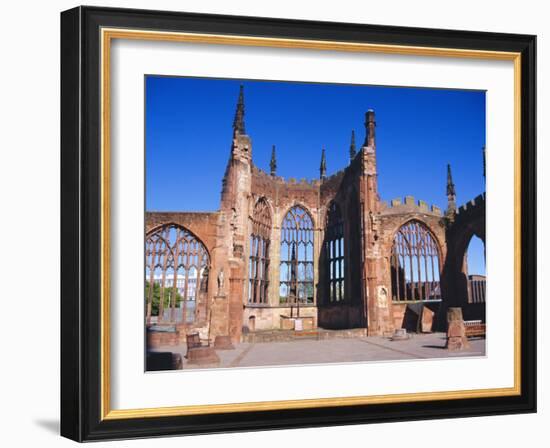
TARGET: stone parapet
(266,177)
(478,201)
(408,205)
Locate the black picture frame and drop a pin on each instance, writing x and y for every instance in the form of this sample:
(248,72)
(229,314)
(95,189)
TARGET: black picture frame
(81,214)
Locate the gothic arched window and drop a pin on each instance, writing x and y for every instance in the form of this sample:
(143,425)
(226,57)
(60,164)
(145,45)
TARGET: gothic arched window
(296,271)
(334,254)
(176,265)
(415,264)
(258,264)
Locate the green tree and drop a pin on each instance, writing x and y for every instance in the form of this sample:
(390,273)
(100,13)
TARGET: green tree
(156,297)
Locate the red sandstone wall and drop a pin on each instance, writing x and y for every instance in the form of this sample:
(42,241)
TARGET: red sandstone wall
(202,225)
(283,194)
(222,232)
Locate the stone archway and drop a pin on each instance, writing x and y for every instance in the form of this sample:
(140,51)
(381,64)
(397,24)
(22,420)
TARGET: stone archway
(468,222)
(177,265)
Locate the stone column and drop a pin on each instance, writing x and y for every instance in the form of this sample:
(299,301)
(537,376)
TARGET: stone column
(274,261)
(317,242)
(456,331)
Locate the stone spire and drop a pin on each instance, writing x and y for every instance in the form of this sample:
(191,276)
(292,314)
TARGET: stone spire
(352,151)
(323,167)
(273,162)
(451,193)
(370,125)
(238,122)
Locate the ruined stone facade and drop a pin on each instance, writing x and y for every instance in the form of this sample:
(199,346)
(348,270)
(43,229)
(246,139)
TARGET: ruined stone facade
(319,250)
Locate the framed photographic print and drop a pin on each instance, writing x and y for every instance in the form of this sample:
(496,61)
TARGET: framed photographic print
(275,224)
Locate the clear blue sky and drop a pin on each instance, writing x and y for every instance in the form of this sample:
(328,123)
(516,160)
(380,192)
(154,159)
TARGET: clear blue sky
(189,129)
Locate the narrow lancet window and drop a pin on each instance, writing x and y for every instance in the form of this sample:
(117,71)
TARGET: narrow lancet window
(334,255)
(258,263)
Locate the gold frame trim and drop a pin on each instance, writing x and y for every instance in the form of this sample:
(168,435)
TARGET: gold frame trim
(107,35)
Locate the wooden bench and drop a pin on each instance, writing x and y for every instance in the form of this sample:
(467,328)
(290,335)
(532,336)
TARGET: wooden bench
(474,328)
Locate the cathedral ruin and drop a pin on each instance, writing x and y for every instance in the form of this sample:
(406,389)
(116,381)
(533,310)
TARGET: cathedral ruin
(301,255)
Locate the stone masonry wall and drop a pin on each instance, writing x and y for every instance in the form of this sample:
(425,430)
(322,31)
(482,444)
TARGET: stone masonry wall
(369,229)
(390,219)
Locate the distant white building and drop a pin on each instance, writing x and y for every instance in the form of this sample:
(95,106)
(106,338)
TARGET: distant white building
(180,283)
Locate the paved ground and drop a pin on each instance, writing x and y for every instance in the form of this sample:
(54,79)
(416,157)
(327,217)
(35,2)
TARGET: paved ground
(419,346)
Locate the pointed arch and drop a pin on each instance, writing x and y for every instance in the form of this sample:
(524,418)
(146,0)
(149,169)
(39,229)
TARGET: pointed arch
(177,265)
(415,264)
(300,214)
(474,269)
(258,260)
(296,268)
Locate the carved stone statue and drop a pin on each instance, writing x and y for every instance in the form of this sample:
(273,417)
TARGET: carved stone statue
(204,280)
(221,282)
(382,297)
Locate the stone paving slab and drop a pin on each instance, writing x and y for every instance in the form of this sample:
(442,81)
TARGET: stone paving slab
(419,346)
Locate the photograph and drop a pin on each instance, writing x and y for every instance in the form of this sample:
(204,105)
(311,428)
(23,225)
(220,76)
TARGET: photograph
(274,223)
(295,223)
